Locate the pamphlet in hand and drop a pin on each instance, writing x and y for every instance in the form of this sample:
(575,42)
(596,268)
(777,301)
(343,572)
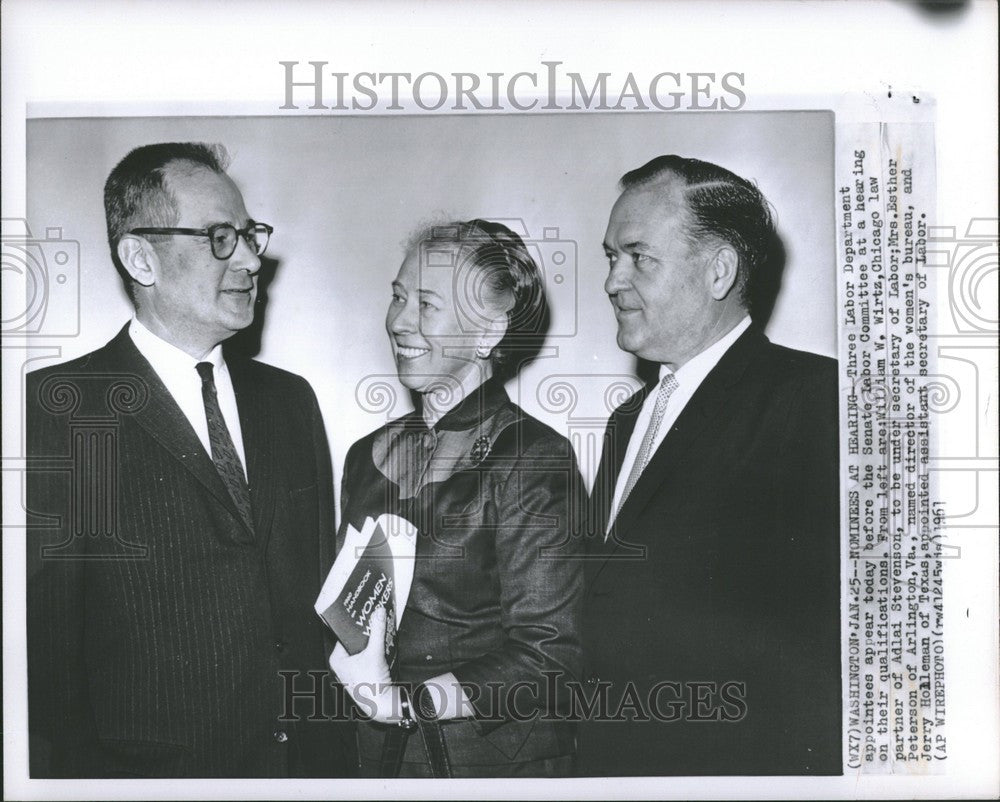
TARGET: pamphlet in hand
(373,569)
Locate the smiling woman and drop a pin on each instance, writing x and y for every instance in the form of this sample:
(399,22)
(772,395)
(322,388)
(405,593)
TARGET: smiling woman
(435,354)
(490,634)
(467,298)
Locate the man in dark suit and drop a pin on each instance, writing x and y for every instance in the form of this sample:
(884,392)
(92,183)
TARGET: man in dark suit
(711,628)
(180,513)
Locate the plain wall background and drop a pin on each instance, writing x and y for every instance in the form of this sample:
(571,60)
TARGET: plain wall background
(344,193)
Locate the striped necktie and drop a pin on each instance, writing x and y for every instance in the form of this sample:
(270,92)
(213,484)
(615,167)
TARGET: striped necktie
(667,386)
(224,455)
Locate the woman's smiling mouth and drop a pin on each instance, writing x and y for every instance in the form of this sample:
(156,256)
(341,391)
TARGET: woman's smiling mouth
(411,353)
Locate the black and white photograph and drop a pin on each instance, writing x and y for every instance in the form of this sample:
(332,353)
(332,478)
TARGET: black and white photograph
(411,275)
(439,420)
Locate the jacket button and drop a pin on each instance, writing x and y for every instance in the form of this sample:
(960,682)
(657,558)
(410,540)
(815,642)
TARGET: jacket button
(280,736)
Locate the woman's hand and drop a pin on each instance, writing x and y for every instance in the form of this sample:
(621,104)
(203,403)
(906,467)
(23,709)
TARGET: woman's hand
(365,675)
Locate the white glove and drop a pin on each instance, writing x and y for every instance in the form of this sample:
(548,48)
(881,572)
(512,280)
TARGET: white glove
(365,675)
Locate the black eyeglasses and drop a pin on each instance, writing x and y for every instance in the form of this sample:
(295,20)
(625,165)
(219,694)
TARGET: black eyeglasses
(223,237)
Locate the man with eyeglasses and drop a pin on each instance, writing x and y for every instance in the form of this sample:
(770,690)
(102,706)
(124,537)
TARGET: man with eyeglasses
(172,570)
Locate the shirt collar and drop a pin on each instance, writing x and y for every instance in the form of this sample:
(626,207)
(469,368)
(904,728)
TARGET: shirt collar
(479,405)
(693,372)
(168,359)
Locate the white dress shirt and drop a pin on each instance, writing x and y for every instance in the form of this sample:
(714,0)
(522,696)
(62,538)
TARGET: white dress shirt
(177,371)
(689,377)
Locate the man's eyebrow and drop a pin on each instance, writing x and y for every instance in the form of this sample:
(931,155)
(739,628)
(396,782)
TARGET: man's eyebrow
(229,222)
(638,245)
(422,291)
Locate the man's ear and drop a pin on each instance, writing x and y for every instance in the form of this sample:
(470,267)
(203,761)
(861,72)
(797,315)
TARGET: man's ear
(725,266)
(139,259)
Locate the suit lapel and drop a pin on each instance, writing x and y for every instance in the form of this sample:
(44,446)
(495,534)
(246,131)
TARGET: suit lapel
(260,446)
(616,437)
(164,421)
(705,406)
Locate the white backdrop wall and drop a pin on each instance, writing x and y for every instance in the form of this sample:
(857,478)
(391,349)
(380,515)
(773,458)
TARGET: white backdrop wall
(344,193)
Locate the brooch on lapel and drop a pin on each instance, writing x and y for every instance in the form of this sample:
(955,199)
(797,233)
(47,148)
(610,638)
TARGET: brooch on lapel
(481,449)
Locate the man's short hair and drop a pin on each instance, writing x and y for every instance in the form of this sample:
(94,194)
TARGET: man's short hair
(722,206)
(136,194)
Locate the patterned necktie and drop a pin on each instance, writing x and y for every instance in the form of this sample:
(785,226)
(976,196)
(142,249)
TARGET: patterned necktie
(667,386)
(224,455)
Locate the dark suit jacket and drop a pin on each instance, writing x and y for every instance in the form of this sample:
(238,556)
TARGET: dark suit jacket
(497,582)
(713,606)
(157,623)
